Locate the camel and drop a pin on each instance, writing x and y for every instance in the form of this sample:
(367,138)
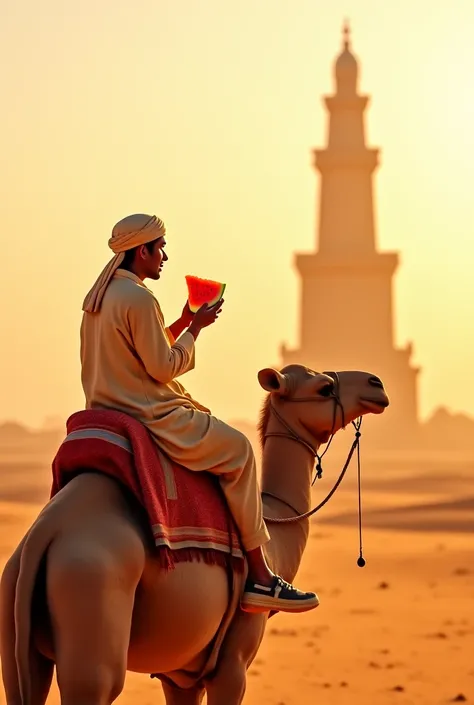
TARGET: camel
(91,593)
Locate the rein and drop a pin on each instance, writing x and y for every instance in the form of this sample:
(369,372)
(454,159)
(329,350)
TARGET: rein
(292,435)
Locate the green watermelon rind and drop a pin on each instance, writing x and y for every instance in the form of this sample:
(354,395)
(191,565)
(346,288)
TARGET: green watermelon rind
(217,294)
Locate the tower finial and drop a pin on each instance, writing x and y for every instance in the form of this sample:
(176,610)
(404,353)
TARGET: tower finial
(346,33)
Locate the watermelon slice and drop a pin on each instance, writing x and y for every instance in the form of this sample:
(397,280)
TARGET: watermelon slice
(203,291)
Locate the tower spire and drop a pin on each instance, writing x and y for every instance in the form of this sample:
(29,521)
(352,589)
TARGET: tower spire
(346,34)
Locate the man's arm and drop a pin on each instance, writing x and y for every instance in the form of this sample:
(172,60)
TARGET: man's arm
(162,361)
(177,328)
(183,322)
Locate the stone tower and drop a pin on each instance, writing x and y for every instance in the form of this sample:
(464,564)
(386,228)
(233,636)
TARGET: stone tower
(346,299)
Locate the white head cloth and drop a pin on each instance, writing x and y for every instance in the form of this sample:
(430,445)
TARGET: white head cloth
(130,232)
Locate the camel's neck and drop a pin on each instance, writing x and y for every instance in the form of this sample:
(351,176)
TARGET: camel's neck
(286,474)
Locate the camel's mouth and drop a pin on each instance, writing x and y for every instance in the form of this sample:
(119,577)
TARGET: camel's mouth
(376,406)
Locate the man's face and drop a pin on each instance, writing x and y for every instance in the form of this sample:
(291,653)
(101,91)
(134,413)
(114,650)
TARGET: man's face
(154,260)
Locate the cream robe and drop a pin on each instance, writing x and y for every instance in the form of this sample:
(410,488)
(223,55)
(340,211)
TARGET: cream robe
(130,362)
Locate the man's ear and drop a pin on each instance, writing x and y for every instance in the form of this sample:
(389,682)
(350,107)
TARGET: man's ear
(143,252)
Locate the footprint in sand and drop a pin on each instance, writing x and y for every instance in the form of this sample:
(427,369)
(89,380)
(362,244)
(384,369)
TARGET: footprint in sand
(363,611)
(317,633)
(320,535)
(283,632)
(437,635)
(461,571)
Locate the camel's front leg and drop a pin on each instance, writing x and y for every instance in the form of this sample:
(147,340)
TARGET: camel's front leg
(177,696)
(227,685)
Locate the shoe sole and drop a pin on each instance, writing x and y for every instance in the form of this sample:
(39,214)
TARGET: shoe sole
(262,604)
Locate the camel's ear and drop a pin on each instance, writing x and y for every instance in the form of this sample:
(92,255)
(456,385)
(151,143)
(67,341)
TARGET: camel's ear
(273,381)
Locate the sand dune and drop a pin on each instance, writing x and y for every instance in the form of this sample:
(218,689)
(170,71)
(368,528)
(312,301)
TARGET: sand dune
(417,484)
(25,481)
(455,516)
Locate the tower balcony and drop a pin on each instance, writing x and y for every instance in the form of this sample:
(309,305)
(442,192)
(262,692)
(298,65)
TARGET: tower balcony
(337,103)
(313,265)
(328,159)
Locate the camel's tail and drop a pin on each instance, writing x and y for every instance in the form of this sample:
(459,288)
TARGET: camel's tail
(37,543)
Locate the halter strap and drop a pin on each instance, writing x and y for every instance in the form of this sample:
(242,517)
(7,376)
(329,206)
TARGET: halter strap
(293,436)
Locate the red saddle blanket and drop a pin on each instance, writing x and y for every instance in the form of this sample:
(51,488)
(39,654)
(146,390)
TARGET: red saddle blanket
(187,511)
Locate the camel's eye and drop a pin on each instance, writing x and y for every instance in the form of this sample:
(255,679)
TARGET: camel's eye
(327,390)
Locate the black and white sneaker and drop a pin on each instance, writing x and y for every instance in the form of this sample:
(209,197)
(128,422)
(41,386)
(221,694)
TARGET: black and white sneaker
(278,597)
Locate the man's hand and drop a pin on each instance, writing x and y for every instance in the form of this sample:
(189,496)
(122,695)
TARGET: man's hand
(187,316)
(205,317)
(183,322)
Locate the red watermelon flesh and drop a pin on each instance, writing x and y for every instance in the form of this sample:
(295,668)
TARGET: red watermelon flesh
(203,291)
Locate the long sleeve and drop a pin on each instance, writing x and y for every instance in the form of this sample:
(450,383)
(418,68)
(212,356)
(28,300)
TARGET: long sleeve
(163,361)
(170,336)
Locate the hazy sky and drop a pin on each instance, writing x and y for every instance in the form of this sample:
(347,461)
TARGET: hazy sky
(204,112)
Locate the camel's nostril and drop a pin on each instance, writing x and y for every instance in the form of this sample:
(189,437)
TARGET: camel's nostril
(376,382)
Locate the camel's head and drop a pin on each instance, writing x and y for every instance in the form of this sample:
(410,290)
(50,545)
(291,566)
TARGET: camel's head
(320,403)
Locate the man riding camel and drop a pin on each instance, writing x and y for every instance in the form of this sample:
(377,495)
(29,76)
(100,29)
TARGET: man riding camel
(131,362)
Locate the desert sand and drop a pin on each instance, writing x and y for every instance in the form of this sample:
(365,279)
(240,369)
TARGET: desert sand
(400,630)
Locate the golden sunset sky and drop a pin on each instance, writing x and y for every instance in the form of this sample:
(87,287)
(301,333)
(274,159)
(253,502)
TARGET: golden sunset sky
(204,112)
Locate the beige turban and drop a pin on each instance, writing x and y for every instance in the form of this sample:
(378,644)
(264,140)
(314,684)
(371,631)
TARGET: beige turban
(130,232)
